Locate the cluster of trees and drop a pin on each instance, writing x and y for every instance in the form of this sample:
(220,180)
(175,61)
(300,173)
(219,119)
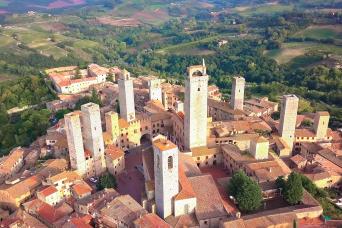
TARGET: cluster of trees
(23,129)
(107,180)
(245,191)
(24,92)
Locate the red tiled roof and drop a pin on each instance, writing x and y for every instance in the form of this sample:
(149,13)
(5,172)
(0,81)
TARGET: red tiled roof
(48,191)
(49,213)
(151,221)
(114,152)
(81,188)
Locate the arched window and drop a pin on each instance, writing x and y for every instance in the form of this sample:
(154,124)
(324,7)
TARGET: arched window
(170,162)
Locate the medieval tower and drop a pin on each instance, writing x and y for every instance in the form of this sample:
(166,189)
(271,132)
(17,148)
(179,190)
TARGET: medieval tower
(92,133)
(112,127)
(75,142)
(126,96)
(288,119)
(165,175)
(195,107)
(155,90)
(238,93)
(321,123)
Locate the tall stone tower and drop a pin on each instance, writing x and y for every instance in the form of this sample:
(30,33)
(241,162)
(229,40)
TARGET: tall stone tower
(92,134)
(164,100)
(154,86)
(165,175)
(75,142)
(126,96)
(288,118)
(238,93)
(195,107)
(112,127)
(321,123)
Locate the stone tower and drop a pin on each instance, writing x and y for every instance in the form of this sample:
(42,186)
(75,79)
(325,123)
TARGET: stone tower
(288,118)
(195,107)
(75,142)
(164,100)
(126,96)
(238,93)
(154,86)
(112,127)
(321,123)
(165,175)
(92,134)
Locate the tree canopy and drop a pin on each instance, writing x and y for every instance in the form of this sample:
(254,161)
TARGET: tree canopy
(246,192)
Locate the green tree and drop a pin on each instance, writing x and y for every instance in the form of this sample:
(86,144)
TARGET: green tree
(107,180)
(110,77)
(77,74)
(293,189)
(246,192)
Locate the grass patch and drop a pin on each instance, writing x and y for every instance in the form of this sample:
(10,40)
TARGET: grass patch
(297,51)
(321,32)
(263,9)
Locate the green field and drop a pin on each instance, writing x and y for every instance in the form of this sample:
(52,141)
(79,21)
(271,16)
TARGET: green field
(321,32)
(3,3)
(263,9)
(290,51)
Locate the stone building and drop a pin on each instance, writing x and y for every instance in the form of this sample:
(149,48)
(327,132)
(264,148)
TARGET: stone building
(92,134)
(126,96)
(195,107)
(75,142)
(238,93)
(288,118)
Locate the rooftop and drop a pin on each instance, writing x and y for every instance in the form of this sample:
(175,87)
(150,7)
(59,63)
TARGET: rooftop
(164,144)
(209,203)
(114,152)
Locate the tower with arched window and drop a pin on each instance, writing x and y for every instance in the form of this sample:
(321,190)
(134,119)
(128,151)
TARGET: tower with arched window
(196,107)
(165,175)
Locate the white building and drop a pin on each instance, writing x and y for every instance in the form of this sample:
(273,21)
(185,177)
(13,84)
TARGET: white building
(126,96)
(155,89)
(196,105)
(166,175)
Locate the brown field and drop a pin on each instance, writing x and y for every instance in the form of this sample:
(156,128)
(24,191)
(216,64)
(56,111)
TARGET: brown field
(157,15)
(123,22)
(65,3)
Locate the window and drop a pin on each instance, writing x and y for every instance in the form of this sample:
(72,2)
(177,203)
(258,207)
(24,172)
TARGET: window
(199,89)
(170,162)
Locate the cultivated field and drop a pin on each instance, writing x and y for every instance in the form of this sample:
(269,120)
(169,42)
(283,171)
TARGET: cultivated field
(321,32)
(301,51)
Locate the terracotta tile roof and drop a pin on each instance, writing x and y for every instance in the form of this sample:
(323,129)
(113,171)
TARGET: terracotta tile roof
(87,153)
(49,213)
(69,176)
(209,203)
(304,133)
(186,190)
(164,144)
(203,151)
(8,163)
(297,159)
(114,152)
(323,113)
(81,188)
(224,106)
(151,221)
(318,176)
(98,70)
(123,123)
(48,191)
